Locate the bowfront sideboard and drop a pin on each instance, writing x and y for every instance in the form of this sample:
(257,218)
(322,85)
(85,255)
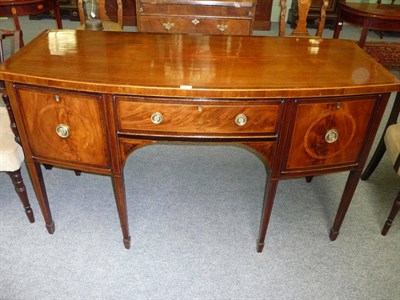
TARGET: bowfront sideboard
(143,88)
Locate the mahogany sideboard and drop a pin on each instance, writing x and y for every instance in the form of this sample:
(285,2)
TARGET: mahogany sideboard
(145,88)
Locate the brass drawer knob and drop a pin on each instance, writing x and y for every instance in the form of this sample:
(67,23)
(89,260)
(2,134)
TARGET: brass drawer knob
(157,118)
(63,130)
(331,136)
(241,119)
(168,25)
(222,27)
(195,22)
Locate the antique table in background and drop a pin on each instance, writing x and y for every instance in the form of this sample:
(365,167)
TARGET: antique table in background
(370,16)
(15,8)
(143,88)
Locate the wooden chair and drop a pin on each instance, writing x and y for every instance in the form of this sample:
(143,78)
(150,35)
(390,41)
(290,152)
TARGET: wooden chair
(301,27)
(392,142)
(108,23)
(11,154)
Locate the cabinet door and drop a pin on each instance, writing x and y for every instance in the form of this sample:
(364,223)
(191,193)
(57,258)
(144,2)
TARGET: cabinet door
(328,133)
(64,126)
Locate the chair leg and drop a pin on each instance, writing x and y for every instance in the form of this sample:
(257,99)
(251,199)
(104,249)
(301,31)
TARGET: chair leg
(380,150)
(392,215)
(19,185)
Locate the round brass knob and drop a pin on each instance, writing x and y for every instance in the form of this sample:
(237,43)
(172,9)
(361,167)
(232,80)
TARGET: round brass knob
(241,119)
(63,130)
(331,136)
(157,118)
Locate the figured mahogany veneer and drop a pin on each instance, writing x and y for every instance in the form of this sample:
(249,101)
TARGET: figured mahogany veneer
(142,88)
(197,118)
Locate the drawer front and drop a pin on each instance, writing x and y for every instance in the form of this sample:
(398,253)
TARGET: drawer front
(63,126)
(245,10)
(139,116)
(329,132)
(178,24)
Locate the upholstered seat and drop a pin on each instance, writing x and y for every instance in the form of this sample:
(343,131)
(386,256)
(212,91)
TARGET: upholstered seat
(11,158)
(392,142)
(11,154)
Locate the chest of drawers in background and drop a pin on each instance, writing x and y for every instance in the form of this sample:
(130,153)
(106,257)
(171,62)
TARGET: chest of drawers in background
(204,17)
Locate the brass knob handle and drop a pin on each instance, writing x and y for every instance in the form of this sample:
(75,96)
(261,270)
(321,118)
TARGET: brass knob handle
(241,119)
(195,22)
(331,136)
(63,130)
(157,118)
(168,25)
(57,98)
(222,27)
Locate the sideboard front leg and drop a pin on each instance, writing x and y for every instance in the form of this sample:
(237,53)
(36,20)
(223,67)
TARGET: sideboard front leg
(120,198)
(270,191)
(36,175)
(351,185)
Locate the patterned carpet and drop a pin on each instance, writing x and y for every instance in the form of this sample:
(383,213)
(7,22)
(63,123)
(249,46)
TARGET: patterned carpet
(386,53)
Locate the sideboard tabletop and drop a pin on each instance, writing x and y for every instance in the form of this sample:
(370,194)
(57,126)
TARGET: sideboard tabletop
(197,65)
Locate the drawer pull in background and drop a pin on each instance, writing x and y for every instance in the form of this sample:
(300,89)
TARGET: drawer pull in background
(168,25)
(241,119)
(57,98)
(157,118)
(331,136)
(222,27)
(195,22)
(63,130)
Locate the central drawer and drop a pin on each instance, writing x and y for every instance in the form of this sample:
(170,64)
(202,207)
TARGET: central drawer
(197,118)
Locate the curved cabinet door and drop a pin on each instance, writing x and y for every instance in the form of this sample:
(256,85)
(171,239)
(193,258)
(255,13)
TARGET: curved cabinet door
(328,132)
(65,127)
